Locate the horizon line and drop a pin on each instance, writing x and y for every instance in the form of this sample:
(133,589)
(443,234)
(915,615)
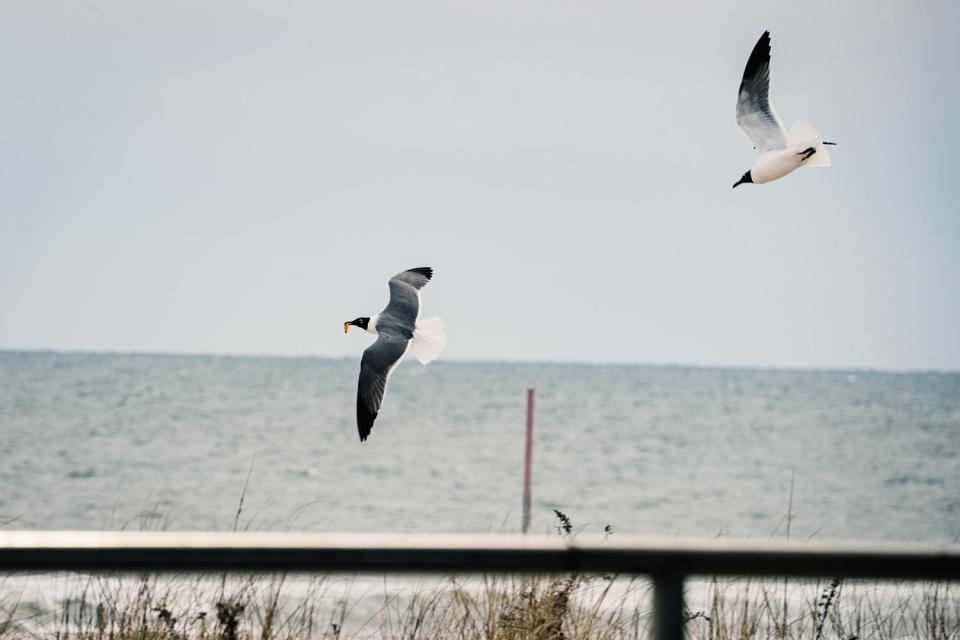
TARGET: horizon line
(583,363)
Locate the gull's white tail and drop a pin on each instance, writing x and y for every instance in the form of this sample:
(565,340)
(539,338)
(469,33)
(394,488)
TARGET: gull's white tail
(803,136)
(428,339)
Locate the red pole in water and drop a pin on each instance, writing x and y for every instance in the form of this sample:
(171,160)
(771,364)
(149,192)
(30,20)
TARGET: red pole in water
(528,459)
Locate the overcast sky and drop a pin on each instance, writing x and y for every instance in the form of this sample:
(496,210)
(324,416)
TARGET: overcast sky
(242,177)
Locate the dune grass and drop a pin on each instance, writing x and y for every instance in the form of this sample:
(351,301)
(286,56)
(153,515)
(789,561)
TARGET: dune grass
(487,607)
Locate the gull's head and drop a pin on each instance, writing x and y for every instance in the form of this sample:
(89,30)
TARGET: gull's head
(745,179)
(359,322)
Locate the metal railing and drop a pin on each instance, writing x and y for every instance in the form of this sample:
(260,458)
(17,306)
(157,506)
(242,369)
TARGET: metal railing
(667,561)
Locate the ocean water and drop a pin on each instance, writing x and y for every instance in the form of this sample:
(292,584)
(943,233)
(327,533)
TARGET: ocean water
(95,441)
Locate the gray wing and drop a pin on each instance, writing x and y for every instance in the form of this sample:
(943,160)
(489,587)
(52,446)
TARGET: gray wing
(755,114)
(400,314)
(377,363)
(416,278)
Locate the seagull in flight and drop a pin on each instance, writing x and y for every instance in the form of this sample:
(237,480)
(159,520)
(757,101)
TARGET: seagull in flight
(398,328)
(778,152)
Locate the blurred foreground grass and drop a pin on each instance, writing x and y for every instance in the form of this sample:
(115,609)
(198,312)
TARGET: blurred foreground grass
(567,607)
(485,607)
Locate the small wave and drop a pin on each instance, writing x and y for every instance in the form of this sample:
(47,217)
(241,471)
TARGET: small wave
(914,479)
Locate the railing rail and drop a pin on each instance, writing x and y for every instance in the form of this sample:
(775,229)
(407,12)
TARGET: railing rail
(668,561)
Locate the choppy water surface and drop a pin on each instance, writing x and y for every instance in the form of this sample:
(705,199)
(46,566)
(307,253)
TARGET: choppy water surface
(151,441)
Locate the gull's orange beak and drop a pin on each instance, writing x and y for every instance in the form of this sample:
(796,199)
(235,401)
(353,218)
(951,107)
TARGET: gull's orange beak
(346,327)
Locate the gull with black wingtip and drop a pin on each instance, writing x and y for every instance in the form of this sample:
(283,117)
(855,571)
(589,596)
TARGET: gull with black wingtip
(778,152)
(398,328)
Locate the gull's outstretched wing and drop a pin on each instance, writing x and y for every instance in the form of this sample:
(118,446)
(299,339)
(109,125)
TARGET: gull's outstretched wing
(401,313)
(755,114)
(416,278)
(377,364)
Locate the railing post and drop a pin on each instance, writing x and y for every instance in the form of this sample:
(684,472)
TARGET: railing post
(667,607)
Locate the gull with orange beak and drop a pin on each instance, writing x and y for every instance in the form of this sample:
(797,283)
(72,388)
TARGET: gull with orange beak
(398,328)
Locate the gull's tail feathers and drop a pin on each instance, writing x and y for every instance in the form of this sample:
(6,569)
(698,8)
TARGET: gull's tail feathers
(802,136)
(429,339)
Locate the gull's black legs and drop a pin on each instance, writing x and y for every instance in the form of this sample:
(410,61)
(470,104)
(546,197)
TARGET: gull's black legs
(806,153)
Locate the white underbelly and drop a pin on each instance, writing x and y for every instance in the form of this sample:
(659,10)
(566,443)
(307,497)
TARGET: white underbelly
(775,164)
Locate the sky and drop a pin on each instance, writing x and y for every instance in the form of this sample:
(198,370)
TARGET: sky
(243,177)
